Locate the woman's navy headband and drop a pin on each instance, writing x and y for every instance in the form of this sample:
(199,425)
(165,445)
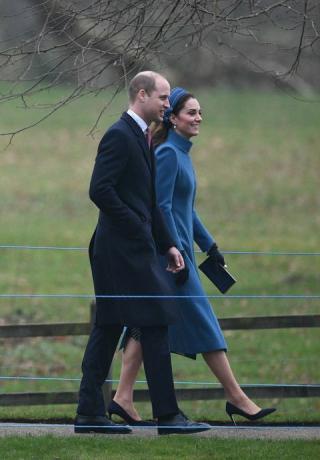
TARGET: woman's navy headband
(175,96)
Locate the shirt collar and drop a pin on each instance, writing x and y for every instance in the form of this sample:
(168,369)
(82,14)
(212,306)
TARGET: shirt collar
(143,125)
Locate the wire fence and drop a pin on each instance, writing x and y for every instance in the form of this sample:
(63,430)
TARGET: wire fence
(299,389)
(78,248)
(144,382)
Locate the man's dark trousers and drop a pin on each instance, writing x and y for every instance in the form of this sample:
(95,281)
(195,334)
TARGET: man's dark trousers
(97,360)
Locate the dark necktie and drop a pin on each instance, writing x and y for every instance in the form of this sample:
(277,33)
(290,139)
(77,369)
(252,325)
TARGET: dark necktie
(148,137)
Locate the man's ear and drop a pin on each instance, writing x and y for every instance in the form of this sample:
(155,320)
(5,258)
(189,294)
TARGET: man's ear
(141,96)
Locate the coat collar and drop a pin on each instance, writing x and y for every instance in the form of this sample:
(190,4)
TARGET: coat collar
(132,123)
(143,125)
(181,142)
(141,138)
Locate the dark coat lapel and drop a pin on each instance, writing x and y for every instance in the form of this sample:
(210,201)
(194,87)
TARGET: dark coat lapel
(141,139)
(153,171)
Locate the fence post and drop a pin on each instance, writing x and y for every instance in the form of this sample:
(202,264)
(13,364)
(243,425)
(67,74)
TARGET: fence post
(107,386)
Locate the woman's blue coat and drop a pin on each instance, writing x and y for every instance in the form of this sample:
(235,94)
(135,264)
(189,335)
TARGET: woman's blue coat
(197,329)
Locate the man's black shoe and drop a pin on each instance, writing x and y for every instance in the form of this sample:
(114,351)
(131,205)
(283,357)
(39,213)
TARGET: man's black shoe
(98,424)
(180,424)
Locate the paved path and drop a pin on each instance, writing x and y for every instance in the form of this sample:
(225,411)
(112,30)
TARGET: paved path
(245,432)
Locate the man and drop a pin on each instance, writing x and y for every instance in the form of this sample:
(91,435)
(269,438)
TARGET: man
(123,256)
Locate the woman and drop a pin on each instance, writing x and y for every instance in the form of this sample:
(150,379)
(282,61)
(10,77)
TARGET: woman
(198,330)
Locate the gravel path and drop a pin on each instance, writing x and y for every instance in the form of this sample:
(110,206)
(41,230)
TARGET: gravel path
(260,432)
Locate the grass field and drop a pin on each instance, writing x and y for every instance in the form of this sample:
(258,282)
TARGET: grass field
(178,448)
(257,162)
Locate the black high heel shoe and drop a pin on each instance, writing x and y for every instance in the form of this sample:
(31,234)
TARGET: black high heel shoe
(232,410)
(115,408)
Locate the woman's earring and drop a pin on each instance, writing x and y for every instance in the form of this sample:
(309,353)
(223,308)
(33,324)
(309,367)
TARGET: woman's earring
(174,126)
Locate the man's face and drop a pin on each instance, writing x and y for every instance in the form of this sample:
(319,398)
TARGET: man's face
(157,102)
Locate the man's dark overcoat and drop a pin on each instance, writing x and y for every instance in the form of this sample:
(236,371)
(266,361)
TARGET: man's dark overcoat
(130,231)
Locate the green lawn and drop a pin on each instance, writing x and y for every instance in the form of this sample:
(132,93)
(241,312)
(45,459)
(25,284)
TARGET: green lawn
(49,447)
(257,162)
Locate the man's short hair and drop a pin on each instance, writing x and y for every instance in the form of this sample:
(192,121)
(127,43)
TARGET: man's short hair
(143,80)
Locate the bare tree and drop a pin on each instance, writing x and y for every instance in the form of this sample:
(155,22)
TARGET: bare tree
(97,44)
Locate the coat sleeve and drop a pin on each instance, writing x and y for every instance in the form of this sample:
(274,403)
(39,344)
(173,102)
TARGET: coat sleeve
(111,161)
(200,234)
(167,170)
(162,235)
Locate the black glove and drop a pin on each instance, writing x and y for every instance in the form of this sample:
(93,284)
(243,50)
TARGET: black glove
(182,277)
(216,256)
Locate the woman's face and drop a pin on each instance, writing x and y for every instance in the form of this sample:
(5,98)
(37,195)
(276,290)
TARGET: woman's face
(188,120)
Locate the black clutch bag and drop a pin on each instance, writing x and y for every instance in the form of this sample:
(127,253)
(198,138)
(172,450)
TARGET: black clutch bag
(220,277)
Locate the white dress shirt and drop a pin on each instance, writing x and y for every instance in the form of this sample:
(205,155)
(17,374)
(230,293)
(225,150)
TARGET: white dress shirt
(143,125)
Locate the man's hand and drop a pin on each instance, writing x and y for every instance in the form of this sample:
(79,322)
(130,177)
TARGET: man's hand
(175,260)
